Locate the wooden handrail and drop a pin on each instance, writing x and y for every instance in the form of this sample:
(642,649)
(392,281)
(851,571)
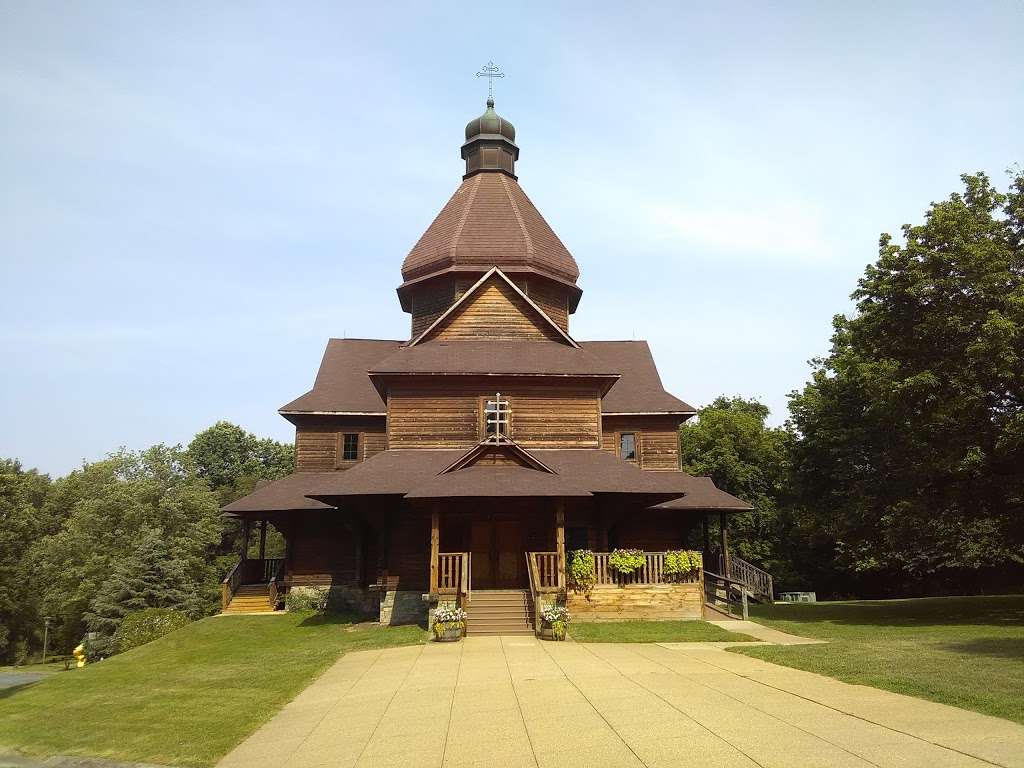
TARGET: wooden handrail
(534,578)
(276,579)
(230,584)
(718,590)
(757,580)
(453,573)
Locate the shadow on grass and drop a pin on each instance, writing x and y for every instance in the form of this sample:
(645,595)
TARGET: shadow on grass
(996,610)
(1000,647)
(343,618)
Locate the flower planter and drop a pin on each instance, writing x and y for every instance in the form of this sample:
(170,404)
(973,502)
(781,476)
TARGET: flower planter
(449,635)
(547,632)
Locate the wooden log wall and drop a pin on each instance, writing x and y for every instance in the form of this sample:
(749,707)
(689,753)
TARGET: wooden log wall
(657,439)
(321,550)
(318,441)
(431,299)
(638,601)
(496,311)
(448,414)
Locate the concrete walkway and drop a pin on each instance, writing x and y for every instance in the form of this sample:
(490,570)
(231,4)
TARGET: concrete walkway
(763,633)
(508,702)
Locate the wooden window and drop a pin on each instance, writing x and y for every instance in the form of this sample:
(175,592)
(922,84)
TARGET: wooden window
(627,446)
(497,417)
(350,447)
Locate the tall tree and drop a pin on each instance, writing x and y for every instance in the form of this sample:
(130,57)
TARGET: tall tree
(150,576)
(731,443)
(911,431)
(109,506)
(23,520)
(232,460)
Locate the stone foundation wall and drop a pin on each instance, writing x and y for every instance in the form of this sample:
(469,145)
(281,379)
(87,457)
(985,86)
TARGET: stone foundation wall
(402,607)
(638,601)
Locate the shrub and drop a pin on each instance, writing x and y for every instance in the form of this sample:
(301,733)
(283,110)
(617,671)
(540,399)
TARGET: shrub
(305,599)
(98,647)
(581,571)
(625,561)
(143,626)
(683,561)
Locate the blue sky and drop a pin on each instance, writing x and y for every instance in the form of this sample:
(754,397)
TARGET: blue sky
(195,196)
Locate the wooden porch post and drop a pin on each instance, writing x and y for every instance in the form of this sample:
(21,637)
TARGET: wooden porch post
(723,535)
(263,539)
(560,540)
(245,538)
(435,545)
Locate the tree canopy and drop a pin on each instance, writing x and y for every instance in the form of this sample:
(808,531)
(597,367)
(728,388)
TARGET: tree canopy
(911,431)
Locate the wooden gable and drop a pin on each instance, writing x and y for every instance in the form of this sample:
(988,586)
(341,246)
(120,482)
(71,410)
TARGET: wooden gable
(497,453)
(495,308)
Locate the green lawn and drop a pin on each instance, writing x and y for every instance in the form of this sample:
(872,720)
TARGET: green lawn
(189,697)
(964,651)
(651,632)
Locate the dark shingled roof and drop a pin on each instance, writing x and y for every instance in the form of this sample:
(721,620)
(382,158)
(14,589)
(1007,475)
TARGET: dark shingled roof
(288,493)
(341,383)
(640,389)
(702,493)
(416,473)
(494,357)
(488,222)
(343,386)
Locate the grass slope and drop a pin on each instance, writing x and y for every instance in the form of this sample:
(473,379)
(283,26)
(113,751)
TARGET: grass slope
(189,697)
(652,632)
(963,651)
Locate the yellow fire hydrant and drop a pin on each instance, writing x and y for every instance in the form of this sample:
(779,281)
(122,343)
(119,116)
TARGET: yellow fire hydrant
(79,654)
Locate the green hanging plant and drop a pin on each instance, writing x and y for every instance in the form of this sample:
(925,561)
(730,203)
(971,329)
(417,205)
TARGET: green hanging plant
(681,562)
(582,577)
(626,561)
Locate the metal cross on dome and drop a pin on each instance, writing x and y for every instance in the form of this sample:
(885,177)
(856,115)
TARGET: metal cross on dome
(490,71)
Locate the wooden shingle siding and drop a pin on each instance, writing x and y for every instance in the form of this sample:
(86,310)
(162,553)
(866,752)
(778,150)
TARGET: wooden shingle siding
(429,302)
(318,441)
(657,439)
(449,416)
(495,311)
(549,296)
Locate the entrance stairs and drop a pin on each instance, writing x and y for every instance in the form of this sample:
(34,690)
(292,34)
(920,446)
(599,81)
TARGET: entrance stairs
(250,598)
(500,612)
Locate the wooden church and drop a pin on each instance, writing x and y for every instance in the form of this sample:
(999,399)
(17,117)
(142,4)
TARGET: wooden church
(461,465)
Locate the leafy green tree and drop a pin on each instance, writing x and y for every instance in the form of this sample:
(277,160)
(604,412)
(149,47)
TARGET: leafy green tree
(151,576)
(109,505)
(911,431)
(22,521)
(731,443)
(232,460)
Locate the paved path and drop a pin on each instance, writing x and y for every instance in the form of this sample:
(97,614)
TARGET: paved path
(766,634)
(509,702)
(14,679)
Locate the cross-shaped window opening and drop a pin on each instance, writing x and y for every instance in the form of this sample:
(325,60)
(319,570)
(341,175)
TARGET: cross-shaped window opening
(496,417)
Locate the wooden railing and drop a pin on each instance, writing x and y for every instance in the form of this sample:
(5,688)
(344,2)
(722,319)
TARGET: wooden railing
(276,581)
(454,573)
(533,575)
(757,580)
(651,572)
(231,583)
(725,594)
(546,564)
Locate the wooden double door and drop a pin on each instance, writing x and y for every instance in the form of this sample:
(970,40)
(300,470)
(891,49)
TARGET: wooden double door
(497,543)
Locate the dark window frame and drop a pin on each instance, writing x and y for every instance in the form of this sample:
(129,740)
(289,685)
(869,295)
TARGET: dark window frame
(344,448)
(636,446)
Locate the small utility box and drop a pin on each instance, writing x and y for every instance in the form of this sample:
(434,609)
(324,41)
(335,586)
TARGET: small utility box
(798,597)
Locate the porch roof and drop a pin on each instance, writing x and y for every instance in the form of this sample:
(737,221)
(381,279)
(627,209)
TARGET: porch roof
(703,494)
(417,473)
(286,494)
